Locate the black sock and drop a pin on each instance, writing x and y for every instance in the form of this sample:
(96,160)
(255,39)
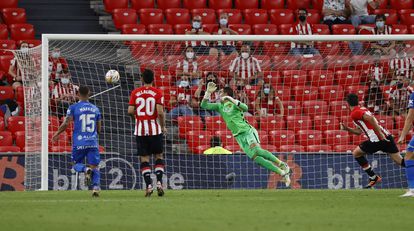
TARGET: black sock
(146,173)
(403,163)
(363,162)
(159,169)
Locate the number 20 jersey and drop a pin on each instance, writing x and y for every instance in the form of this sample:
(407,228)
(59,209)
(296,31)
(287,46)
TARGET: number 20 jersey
(145,100)
(85,117)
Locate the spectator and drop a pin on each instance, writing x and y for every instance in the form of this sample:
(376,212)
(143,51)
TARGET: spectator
(187,69)
(401,65)
(56,63)
(225,47)
(398,98)
(302,28)
(9,107)
(267,102)
(384,47)
(64,93)
(200,47)
(376,71)
(215,147)
(374,98)
(334,12)
(14,70)
(246,68)
(199,94)
(180,103)
(359,11)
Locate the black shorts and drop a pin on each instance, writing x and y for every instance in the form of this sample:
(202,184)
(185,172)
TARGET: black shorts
(150,145)
(389,147)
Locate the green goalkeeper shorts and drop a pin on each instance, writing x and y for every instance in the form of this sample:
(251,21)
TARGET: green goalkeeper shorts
(246,139)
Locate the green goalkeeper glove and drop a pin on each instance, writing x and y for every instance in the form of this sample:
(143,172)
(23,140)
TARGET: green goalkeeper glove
(211,87)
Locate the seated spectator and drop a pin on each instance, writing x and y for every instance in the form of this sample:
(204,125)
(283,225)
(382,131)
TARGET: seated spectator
(245,68)
(9,107)
(64,93)
(398,98)
(267,102)
(200,47)
(199,94)
(302,28)
(215,147)
(335,12)
(401,65)
(180,103)
(187,69)
(384,47)
(225,47)
(14,70)
(374,98)
(359,11)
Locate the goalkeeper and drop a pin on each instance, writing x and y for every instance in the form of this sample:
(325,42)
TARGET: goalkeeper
(232,112)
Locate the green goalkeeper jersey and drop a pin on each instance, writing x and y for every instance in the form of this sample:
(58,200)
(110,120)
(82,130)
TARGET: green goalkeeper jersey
(232,114)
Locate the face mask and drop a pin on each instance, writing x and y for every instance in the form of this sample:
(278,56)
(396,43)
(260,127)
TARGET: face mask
(380,24)
(24,49)
(302,18)
(223,21)
(64,80)
(266,91)
(196,25)
(240,88)
(184,83)
(245,55)
(189,55)
(210,81)
(56,54)
(400,85)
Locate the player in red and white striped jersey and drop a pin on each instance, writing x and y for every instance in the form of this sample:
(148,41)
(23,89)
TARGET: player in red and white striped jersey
(302,28)
(379,139)
(146,106)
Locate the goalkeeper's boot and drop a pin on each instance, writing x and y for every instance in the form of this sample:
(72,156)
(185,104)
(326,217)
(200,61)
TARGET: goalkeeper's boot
(88,176)
(160,190)
(288,172)
(409,193)
(373,182)
(95,192)
(148,191)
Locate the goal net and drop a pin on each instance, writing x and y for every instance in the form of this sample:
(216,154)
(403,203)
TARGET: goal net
(296,100)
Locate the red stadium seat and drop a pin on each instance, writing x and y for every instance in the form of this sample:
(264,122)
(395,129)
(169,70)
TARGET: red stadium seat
(133,29)
(139,48)
(272,77)
(243,4)
(241,29)
(281,16)
(150,61)
(292,148)
(282,137)
(200,149)
(252,92)
(304,93)
(189,123)
(124,16)
(210,28)
(8,4)
(53,123)
(6,92)
(252,121)
(5,62)
(163,78)
(151,16)
(208,62)
(313,108)
(348,78)
(343,29)
(286,29)
(182,28)
(276,48)
(272,4)
(220,4)
(226,137)
(407,18)
(322,29)
(61,149)
(2,126)
(198,137)
(325,122)
(386,122)
(111,5)
(195,4)
(166,4)
(358,89)
(401,4)
(31,42)
(160,29)
(269,147)
(312,62)
(331,93)
(328,48)
(292,108)
(6,138)
(321,78)
(264,61)
(338,62)
(234,148)
(20,138)
(271,123)
(319,148)
(317,4)
(294,77)
(20,94)
(309,137)
(62,141)
(264,29)
(338,108)
(9,149)
(21,31)
(4,33)
(215,123)
(297,123)
(208,16)
(177,16)
(336,137)
(255,16)
(298,4)
(283,92)
(383,4)
(286,62)
(142,4)
(390,14)
(344,148)
(399,122)
(313,17)
(399,29)
(235,16)
(14,15)
(358,139)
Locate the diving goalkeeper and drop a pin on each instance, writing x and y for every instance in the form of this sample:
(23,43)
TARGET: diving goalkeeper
(246,135)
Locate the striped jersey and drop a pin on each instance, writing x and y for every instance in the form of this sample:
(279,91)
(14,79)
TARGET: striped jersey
(387,30)
(400,96)
(187,66)
(195,43)
(145,99)
(224,43)
(368,129)
(60,90)
(300,29)
(245,68)
(402,65)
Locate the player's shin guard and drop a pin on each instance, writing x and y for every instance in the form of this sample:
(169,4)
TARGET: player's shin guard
(268,165)
(409,172)
(266,155)
(79,167)
(159,169)
(146,173)
(96,178)
(363,162)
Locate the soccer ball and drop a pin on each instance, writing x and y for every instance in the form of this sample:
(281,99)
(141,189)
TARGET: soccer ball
(112,76)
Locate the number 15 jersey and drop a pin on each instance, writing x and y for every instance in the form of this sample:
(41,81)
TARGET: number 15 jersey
(145,99)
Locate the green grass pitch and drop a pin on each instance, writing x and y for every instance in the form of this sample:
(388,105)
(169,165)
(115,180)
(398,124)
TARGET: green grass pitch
(230,210)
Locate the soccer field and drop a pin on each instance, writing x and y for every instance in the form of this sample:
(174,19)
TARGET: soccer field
(208,210)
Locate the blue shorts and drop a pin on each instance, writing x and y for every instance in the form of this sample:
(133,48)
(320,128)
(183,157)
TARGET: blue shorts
(410,147)
(91,154)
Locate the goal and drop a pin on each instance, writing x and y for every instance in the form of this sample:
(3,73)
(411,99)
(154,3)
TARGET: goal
(310,87)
